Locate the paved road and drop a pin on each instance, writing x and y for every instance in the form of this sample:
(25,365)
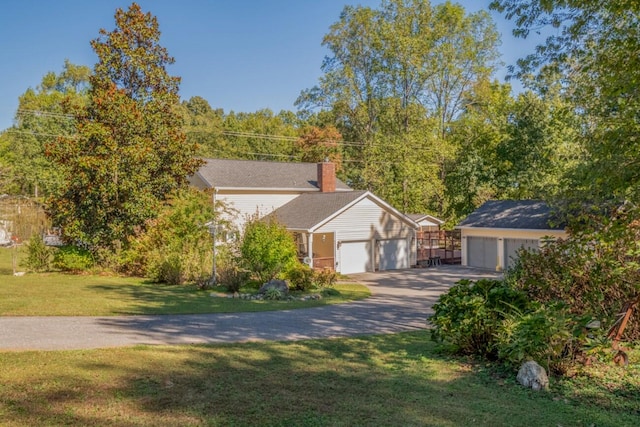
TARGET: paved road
(400,301)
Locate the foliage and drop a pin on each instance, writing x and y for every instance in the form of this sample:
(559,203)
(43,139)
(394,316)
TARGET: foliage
(470,314)
(232,277)
(39,256)
(318,144)
(326,278)
(513,148)
(130,151)
(176,246)
(594,271)
(396,79)
(72,259)
(267,248)
(589,51)
(301,276)
(548,334)
(42,116)
(273,294)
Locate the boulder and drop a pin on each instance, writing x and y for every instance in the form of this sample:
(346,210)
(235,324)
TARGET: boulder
(533,376)
(280,285)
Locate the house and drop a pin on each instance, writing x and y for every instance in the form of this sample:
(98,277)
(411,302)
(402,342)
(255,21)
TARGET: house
(334,226)
(493,234)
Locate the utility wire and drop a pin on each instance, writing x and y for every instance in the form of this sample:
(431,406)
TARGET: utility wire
(11,130)
(22,111)
(240,134)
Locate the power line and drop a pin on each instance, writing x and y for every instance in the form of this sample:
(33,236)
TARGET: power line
(241,134)
(291,156)
(11,130)
(23,111)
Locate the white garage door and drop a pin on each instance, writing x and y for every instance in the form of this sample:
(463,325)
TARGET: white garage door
(482,252)
(511,247)
(394,254)
(355,257)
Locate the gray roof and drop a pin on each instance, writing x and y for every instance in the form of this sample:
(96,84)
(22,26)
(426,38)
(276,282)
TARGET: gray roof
(310,209)
(253,174)
(420,217)
(515,214)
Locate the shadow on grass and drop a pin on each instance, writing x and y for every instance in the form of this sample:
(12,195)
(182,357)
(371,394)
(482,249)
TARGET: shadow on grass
(383,380)
(156,298)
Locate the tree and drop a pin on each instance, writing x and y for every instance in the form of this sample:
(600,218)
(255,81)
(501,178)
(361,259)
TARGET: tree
(130,151)
(42,116)
(595,53)
(397,78)
(471,177)
(317,144)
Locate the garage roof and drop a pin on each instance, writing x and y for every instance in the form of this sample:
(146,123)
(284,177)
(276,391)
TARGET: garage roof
(514,214)
(310,210)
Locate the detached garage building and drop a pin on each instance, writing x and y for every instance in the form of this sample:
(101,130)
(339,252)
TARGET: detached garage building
(493,234)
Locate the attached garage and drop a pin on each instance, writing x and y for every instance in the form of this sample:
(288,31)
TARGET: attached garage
(393,254)
(482,252)
(352,231)
(355,257)
(493,234)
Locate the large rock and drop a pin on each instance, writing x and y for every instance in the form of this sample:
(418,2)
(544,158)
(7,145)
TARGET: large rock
(533,376)
(280,285)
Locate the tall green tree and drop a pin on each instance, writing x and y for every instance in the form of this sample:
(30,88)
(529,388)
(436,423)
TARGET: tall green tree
(130,151)
(42,116)
(472,174)
(397,78)
(203,126)
(595,51)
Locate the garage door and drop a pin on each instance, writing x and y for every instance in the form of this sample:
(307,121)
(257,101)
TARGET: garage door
(394,254)
(482,252)
(355,257)
(511,247)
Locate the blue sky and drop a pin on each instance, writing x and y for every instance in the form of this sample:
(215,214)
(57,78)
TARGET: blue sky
(240,55)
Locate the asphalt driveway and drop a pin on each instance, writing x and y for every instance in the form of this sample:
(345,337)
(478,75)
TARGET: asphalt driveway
(400,301)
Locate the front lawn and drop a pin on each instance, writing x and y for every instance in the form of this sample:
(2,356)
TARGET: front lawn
(388,380)
(55,294)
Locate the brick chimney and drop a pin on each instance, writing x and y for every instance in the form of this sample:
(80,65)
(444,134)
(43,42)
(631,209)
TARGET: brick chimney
(327,177)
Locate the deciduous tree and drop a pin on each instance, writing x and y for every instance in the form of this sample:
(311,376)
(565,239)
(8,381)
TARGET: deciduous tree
(595,51)
(397,77)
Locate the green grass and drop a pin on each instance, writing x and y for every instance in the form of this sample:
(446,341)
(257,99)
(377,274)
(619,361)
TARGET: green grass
(55,294)
(389,380)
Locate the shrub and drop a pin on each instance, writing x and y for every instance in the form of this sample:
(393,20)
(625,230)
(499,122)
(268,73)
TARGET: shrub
(267,249)
(549,335)
(273,294)
(39,255)
(301,277)
(176,247)
(325,278)
(595,271)
(72,259)
(469,315)
(232,277)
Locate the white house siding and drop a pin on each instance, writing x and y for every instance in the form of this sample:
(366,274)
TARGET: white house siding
(368,221)
(500,234)
(245,205)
